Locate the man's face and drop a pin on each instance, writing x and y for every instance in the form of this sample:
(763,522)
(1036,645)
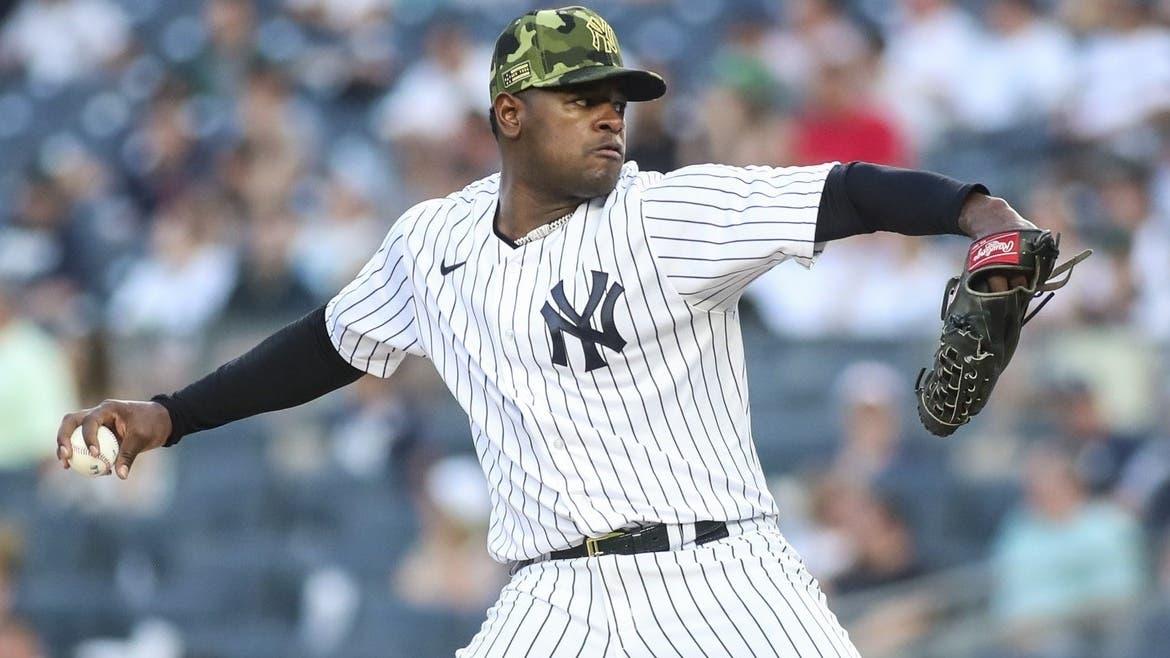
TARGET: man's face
(573,139)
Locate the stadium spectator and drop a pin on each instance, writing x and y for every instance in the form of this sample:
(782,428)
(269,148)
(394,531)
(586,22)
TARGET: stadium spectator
(886,557)
(184,281)
(872,439)
(653,135)
(840,298)
(432,96)
(1148,635)
(817,510)
(840,121)
(1124,77)
(1145,485)
(330,247)
(429,105)
(357,60)
(927,58)
(813,34)
(60,41)
(36,387)
(1018,78)
(221,67)
(1100,453)
(17,638)
(875,451)
(277,136)
(101,225)
(744,114)
(267,288)
(375,431)
(1090,299)
(886,552)
(1022,75)
(31,242)
(164,155)
(447,568)
(1047,569)
(340,16)
(1124,193)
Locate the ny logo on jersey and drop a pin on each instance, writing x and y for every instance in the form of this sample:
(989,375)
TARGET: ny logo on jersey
(578,324)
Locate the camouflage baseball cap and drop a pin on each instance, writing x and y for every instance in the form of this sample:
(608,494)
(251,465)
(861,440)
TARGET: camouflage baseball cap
(566,46)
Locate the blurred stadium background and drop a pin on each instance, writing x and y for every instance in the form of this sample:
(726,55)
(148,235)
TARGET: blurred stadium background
(178,178)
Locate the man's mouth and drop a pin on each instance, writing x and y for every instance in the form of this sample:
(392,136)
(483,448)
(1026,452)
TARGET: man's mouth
(610,151)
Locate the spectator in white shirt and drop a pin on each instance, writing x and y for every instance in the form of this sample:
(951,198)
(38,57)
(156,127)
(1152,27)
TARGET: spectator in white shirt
(926,61)
(58,41)
(1123,74)
(1023,72)
(184,281)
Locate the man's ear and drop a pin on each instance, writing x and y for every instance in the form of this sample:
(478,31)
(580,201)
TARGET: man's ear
(509,109)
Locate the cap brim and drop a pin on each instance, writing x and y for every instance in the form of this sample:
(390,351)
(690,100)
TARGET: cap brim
(636,84)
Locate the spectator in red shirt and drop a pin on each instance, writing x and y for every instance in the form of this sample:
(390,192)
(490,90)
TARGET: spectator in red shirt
(839,124)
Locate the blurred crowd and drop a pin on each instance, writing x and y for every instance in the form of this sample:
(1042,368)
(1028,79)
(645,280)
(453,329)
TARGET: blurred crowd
(179,178)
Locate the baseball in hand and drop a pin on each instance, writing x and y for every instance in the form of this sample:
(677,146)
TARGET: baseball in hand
(83,462)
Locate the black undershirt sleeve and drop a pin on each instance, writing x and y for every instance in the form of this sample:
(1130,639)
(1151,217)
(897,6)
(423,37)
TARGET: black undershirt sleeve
(291,367)
(860,197)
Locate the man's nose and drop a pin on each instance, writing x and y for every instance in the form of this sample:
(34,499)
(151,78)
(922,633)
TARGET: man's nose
(611,120)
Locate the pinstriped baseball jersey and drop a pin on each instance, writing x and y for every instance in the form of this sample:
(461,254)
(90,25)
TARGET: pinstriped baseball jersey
(601,366)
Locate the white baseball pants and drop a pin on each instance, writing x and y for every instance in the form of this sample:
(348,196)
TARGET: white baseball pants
(746,595)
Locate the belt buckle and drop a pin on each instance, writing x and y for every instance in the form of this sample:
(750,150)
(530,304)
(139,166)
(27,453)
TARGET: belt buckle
(591,548)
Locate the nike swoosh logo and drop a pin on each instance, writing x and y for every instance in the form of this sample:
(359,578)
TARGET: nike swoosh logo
(446,269)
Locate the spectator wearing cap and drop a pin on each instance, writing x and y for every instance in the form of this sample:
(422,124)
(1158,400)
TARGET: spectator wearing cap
(876,451)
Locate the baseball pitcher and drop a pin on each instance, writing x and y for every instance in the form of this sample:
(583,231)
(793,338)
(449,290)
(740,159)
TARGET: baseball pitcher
(584,314)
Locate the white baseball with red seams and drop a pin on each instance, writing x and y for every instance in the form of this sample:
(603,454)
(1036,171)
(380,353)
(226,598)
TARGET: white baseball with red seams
(83,462)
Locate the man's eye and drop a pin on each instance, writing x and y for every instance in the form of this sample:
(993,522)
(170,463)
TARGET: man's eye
(620,107)
(582,102)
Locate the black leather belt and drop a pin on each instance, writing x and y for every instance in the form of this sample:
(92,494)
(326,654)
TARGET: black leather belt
(650,539)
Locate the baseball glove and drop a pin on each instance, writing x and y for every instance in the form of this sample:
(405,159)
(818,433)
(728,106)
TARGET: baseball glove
(981,328)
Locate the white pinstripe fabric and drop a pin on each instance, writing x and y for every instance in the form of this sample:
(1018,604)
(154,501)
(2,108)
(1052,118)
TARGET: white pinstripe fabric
(748,595)
(661,433)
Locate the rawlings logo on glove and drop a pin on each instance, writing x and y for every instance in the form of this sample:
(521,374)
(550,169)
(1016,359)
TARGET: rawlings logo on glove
(981,328)
(996,249)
